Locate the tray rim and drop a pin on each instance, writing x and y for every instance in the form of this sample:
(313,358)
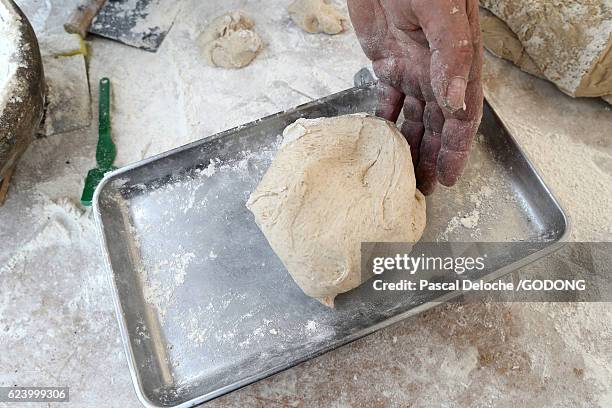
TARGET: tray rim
(132,364)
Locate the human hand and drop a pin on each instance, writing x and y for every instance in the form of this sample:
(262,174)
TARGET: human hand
(427,55)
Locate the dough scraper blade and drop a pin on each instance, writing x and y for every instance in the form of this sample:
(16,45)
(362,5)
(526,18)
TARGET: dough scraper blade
(138,23)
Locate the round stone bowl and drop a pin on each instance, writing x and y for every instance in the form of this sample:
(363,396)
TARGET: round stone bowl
(22,99)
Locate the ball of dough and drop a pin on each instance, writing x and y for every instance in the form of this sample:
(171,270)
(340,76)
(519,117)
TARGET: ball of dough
(317,16)
(230,42)
(335,183)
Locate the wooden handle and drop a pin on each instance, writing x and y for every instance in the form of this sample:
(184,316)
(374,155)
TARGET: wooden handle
(4,184)
(82,17)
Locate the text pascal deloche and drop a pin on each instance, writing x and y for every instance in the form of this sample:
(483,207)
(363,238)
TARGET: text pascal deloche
(480,285)
(424,284)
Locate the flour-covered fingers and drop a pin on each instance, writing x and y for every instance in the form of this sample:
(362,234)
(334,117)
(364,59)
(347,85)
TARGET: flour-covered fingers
(433,121)
(413,127)
(456,142)
(390,102)
(449,34)
(428,157)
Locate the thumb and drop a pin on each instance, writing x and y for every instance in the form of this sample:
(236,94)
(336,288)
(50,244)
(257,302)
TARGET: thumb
(447,29)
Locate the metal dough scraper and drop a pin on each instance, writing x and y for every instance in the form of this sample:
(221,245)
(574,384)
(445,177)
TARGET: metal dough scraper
(138,23)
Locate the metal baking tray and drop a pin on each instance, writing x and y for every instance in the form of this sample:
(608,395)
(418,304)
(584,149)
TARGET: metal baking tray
(204,305)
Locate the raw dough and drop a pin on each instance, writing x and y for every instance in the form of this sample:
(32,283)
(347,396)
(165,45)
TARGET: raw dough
(317,16)
(230,41)
(335,183)
(503,43)
(569,42)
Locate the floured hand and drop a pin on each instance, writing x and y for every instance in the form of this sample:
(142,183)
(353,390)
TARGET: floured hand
(428,57)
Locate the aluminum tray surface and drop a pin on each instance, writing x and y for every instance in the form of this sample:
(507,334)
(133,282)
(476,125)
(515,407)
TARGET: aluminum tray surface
(204,304)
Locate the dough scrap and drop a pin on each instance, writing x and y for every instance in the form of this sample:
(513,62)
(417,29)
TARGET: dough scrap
(230,42)
(317,16)
(335,183)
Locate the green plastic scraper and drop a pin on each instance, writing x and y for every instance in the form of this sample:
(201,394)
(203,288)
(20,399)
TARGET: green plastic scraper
(105,151)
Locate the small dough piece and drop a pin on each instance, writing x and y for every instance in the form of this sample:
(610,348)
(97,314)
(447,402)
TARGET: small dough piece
(335,183)
(317,16)
(230,42)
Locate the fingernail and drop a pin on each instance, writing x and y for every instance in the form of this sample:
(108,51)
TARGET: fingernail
(455,93)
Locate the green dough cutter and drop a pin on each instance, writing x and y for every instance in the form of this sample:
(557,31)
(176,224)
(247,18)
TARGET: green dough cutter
(105,151)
